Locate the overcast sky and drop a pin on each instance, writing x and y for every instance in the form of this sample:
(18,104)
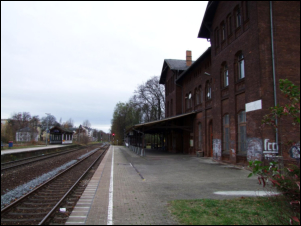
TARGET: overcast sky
(79,59)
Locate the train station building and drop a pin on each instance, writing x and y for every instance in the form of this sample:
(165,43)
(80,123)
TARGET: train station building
(215,105)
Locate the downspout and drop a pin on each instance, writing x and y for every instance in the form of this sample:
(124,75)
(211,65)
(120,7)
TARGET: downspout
(273,66)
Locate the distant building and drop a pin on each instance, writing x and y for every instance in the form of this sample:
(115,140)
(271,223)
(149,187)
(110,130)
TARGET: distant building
(27,134)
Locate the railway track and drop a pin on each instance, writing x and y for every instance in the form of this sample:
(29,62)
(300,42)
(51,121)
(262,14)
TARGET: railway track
(40,204)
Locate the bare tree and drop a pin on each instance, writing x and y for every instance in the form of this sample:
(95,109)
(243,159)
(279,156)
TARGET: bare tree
(150,97)
(50,119)
(69,123)
(86,123)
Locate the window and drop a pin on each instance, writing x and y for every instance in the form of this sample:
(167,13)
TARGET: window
(229,24)
(241,66)
(200,135)
(246,10)
(208,90)
(189,100)
(238,17)
(167,110)
(201,94)
(216,37)
(223,29)
(225,75)
(171,108)
(242,133)
(226,133)
(197,96)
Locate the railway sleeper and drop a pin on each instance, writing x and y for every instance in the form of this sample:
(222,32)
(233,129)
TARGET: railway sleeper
(31,208)
(32,221)
(42,203)
(27,214)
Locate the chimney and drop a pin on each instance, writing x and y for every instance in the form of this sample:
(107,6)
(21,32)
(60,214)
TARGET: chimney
(188,58)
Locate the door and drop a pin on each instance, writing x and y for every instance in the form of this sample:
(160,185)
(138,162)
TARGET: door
(210,139)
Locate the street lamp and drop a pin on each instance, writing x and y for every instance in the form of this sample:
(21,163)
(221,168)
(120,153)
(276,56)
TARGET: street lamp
(47,126)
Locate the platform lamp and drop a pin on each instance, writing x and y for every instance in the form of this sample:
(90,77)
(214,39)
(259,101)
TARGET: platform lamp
(47,125)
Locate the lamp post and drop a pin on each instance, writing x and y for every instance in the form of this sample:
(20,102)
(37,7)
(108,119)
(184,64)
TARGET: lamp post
(47,125)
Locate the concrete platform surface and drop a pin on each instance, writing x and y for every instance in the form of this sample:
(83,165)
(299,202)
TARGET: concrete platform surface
(142,186)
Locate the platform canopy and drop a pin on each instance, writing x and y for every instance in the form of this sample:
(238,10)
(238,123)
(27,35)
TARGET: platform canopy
(179,122)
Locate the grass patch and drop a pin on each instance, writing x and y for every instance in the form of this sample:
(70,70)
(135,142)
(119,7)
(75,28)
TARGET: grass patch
(243,211)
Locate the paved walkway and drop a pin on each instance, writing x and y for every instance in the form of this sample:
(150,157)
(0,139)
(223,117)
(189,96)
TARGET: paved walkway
(142,187)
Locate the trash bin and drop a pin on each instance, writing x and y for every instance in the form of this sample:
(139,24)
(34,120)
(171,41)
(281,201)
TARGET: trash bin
(10,144)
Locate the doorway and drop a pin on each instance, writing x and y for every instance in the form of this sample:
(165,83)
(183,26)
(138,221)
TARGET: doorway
(210,139)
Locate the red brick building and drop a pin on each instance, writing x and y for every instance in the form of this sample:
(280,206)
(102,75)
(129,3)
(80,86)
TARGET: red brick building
(214,106)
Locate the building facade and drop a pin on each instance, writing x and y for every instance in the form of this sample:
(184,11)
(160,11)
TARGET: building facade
(215,105)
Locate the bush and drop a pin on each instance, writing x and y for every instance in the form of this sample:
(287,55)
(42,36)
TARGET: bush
(286,182)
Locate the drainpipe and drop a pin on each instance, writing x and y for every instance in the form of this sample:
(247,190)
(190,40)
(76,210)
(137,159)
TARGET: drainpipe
(273,65)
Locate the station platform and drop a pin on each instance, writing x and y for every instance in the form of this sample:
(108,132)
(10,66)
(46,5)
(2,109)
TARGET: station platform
(41,147)
(130,189)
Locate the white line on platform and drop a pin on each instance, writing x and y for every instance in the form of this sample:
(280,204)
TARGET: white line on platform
(110,208)
(246,193)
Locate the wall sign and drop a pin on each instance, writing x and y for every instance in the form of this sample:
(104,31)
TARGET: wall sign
(253,106)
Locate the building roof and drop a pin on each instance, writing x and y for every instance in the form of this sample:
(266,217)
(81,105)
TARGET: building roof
(205,28)
(178,65)
(25,129)
(162,124)
(62,129)
(195,63)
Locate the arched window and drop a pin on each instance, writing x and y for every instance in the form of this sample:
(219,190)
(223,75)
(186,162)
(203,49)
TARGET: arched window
(226,133)
(200,135)
(242,132)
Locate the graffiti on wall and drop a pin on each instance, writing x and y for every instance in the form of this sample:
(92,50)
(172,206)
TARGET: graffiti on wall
(270,149)
(295,151)
(217,149)
(254,149)
(233,154)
